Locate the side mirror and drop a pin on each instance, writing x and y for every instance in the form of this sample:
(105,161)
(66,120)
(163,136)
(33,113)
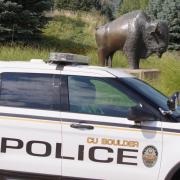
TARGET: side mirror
(173,101)
(139,113)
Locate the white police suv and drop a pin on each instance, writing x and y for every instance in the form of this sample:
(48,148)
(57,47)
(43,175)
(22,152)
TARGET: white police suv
(60,120)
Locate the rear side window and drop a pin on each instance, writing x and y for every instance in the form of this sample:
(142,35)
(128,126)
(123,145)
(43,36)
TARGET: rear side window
(30,90)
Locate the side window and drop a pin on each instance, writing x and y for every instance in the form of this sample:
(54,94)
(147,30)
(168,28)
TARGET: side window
(30,90)
(98,96)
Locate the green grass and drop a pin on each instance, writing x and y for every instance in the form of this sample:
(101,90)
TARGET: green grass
(169,66)
(74,33)
(19,52)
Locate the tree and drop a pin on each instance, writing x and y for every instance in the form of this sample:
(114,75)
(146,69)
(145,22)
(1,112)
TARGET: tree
(154,7)
(75,5)
(22,20)
(168,10)
(107,8)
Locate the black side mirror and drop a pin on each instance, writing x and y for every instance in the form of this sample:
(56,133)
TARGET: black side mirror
(139,113)
(173,101)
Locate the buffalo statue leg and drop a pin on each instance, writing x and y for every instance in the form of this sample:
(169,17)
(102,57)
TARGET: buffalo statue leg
(109,59)
(131,50)
(133,62)
(102,56)
(133,59)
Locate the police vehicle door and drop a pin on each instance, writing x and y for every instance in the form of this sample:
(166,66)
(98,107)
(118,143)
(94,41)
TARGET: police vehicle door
(99,142)
(30,128)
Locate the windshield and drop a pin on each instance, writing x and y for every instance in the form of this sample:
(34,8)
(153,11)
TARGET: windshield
(154,95)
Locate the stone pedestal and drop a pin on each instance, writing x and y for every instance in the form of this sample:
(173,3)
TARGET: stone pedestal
(150,74)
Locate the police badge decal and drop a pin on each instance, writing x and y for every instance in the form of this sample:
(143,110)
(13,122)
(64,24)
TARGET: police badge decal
(149,156)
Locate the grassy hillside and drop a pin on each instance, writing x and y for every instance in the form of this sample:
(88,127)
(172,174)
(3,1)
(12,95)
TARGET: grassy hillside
(68,32)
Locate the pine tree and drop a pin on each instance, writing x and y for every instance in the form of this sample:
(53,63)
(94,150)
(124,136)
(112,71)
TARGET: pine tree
(168,10)
(170,13)
(22,20)
(154,7)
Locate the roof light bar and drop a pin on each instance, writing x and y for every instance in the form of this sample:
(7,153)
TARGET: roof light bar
(68,58)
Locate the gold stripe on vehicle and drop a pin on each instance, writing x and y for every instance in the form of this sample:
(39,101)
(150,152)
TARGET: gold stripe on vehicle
(44,121)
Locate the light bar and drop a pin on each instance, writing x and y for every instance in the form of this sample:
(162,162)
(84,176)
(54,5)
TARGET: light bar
(68,58)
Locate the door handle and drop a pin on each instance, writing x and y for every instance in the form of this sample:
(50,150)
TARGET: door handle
(82,126)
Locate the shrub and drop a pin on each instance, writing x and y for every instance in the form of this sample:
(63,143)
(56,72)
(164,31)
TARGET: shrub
(105,7)
(168,10)
(22,20)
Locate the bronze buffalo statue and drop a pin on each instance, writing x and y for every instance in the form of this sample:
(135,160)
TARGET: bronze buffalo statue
(135,34)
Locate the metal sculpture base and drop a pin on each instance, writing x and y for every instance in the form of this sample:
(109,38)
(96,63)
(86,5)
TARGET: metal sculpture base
(150,74)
